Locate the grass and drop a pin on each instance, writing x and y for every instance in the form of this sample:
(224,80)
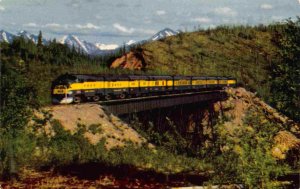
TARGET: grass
(240,51)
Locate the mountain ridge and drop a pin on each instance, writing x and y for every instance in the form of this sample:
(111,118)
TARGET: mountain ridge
(81,45)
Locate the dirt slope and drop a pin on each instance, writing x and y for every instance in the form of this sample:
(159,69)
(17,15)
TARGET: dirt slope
(98,123)
(240,101)
(131,60)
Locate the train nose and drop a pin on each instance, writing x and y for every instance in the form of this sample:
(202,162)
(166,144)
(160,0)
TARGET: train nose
(66,100)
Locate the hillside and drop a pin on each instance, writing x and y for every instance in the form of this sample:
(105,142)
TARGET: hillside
(241,102)
(241,52)
(264,59)
(243,138)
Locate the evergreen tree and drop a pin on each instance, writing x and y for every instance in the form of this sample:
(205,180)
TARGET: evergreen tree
(40,39)
(286,72)
(16,145)
(40,47)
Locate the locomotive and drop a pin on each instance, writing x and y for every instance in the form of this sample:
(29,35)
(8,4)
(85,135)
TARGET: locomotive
(76,88)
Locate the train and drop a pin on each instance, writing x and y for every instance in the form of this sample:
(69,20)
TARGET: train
(76,88)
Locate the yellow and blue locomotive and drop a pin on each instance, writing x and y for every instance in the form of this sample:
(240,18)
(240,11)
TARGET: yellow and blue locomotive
(76,88)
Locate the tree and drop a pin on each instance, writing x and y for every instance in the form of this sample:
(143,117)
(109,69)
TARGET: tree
(16,145)
(286,72)
(40,39)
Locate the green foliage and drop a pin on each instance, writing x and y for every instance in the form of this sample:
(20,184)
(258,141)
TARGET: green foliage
(244,52)
(41,64)
(40,40)
(286,71)
(264,59)
(244,155)
(78,148)
(157,159)
(169,138)
(16,145)
(64,148)
(95,128)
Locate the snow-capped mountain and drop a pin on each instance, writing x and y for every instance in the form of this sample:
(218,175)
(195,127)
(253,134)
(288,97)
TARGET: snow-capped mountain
(74,41)
(84,46)
(6,36)
(163,34)
(87,47)
(131,42)
(29,36)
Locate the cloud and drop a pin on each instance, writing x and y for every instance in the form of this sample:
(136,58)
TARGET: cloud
(31,24)
(160,12)
(146,31)
(53,25)
(2,8)
(74,3)
(123,29)
(203,20)
(266,6)
(87,26)
(277,18)
(225,11)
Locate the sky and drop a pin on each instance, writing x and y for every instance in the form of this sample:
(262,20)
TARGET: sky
(118,21)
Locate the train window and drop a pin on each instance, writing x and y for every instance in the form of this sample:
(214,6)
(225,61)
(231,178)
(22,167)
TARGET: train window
(156,82)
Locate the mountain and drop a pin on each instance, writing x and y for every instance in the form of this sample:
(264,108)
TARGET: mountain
(84,46)
(87,47)
(6,36)
(163,34)
(167,32)
(131,42)
(159,35)
(29,36)
(74,41)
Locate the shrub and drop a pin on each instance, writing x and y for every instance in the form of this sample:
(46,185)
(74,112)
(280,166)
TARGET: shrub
(244,155)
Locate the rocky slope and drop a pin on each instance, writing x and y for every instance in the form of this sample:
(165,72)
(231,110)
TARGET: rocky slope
(131,60)
(241,101)
(98,123)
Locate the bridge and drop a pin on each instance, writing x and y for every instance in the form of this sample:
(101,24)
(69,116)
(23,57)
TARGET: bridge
(134,105)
